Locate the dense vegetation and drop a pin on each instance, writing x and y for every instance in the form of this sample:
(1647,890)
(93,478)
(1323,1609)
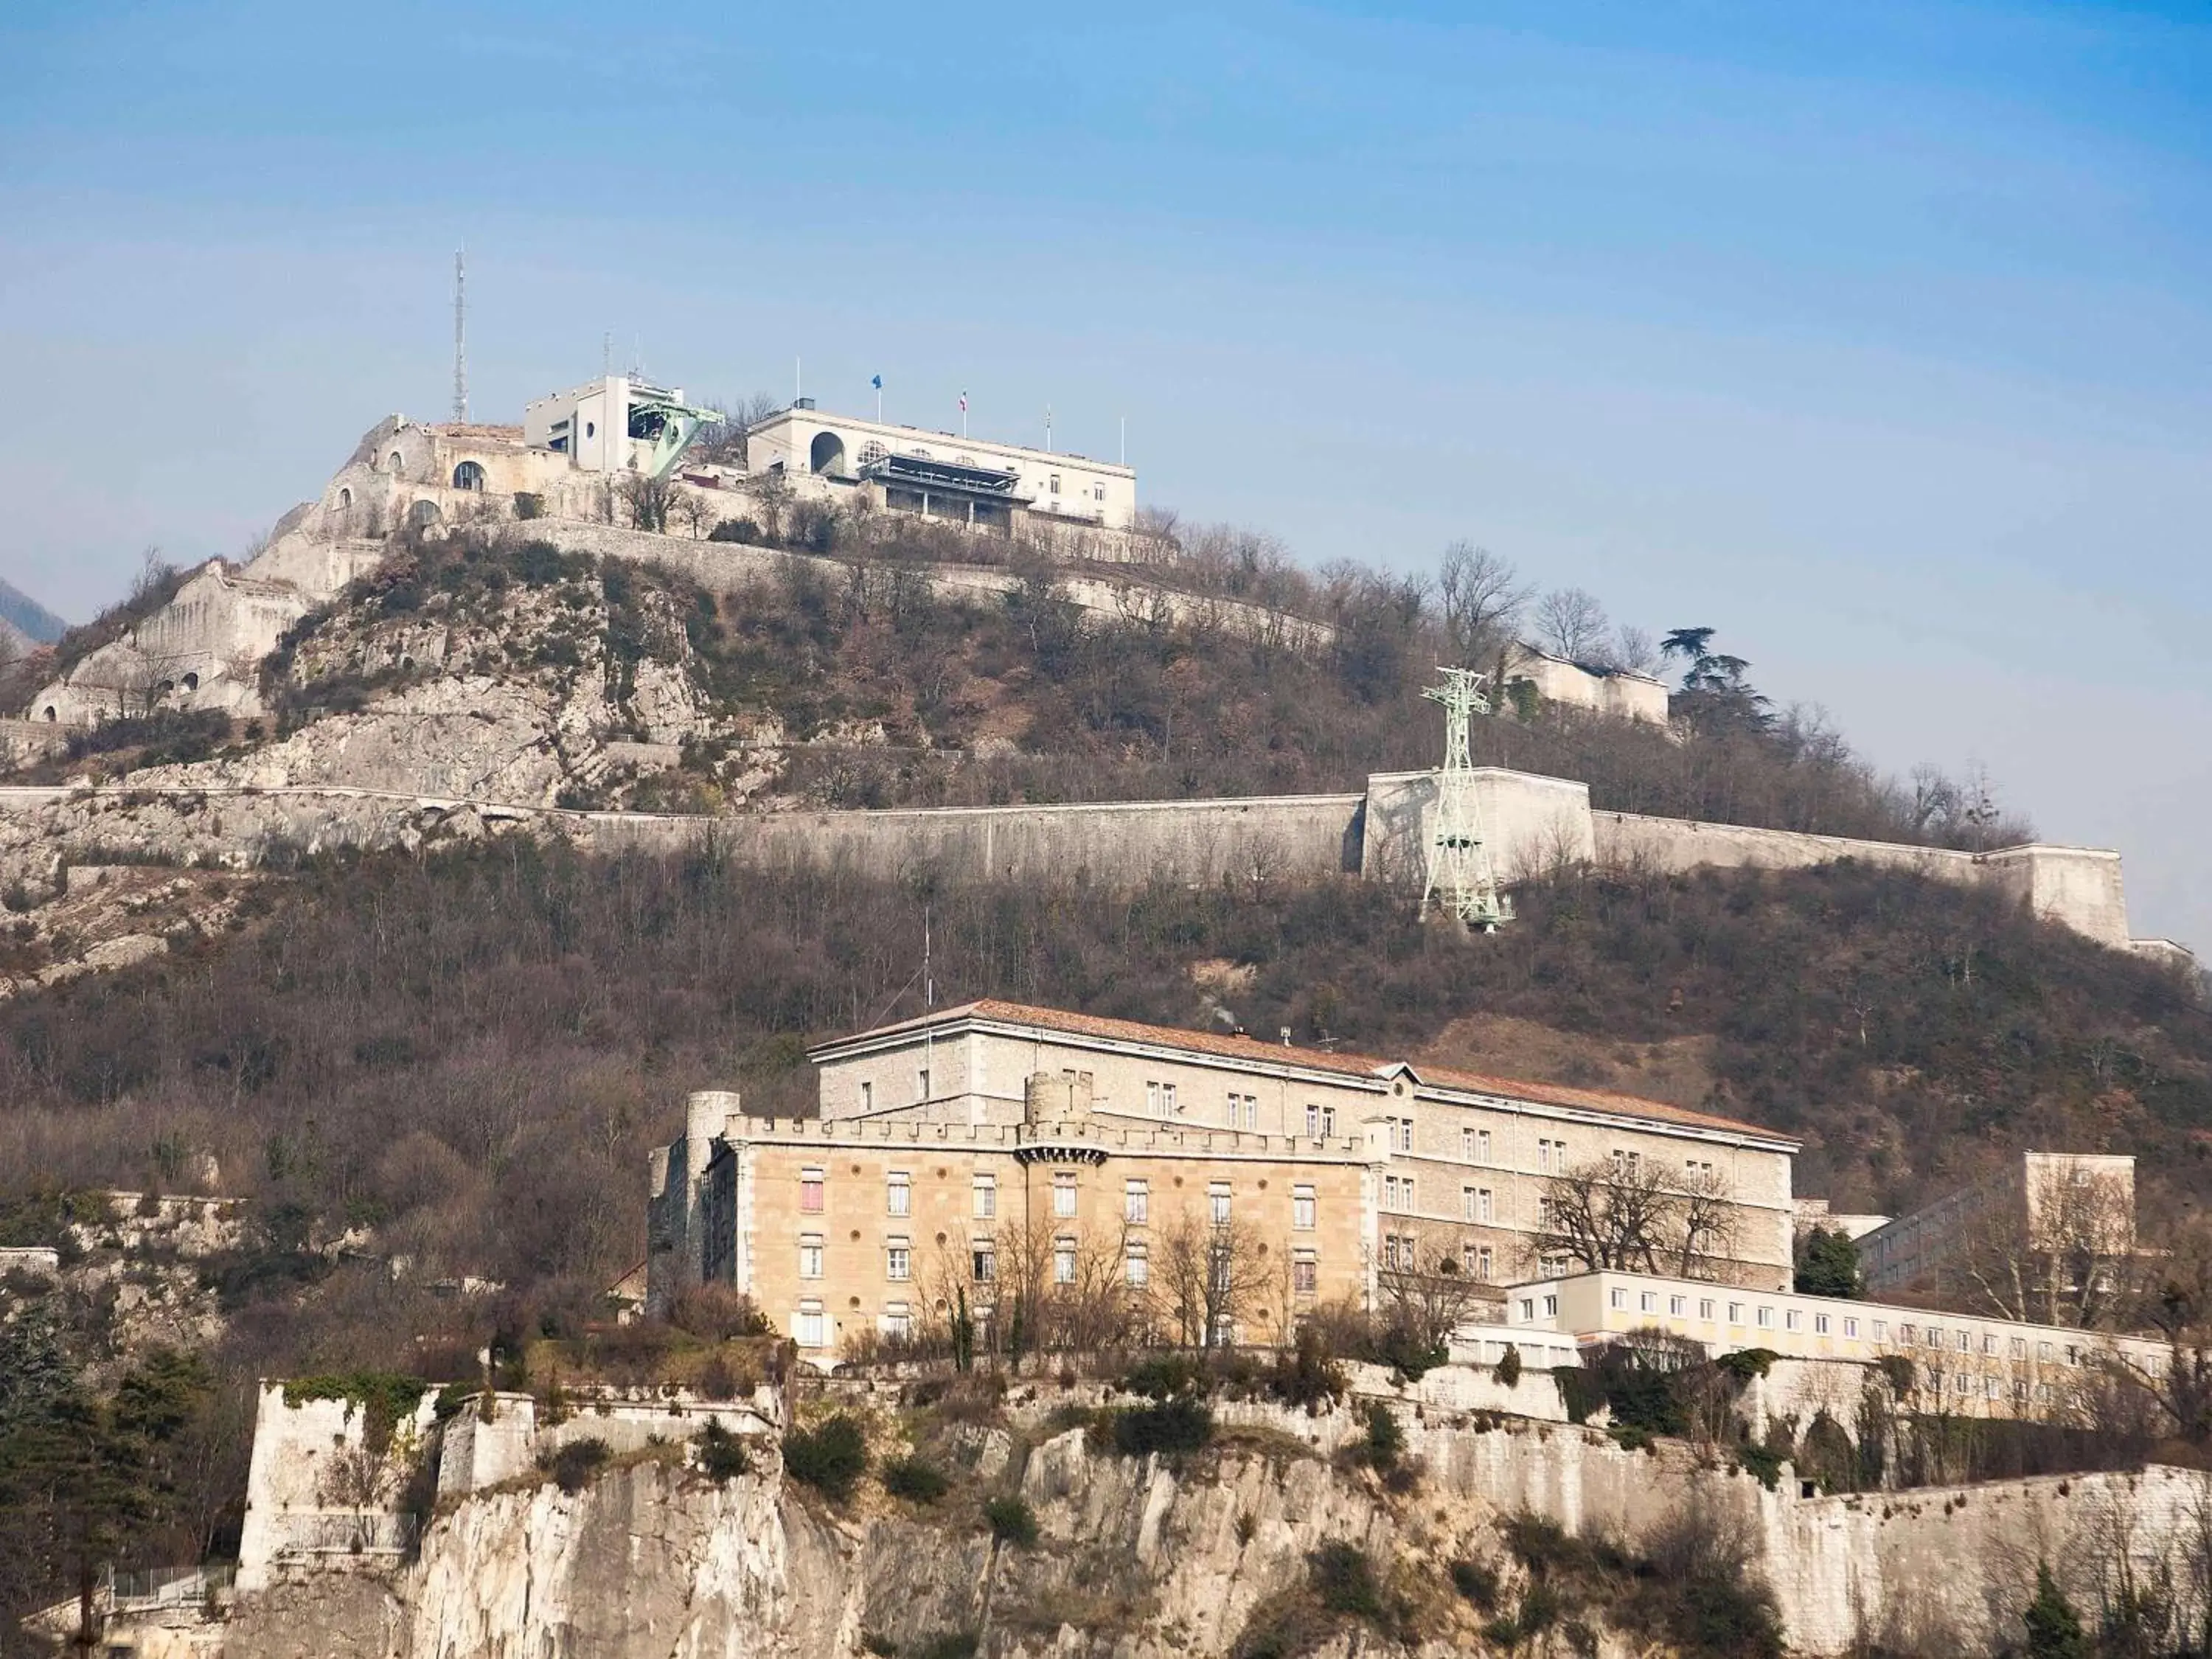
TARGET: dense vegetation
(471,1052)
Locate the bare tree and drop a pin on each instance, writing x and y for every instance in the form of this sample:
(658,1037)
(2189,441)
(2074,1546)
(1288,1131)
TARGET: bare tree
(1633,649)
(649,499)
(1426,1296)
(1608,1213)
(1633,1214)
(1706,1219)
(2064,1254)
(723,438)
(1207,1276)
(1483,598)
(771,494)
(1571,623)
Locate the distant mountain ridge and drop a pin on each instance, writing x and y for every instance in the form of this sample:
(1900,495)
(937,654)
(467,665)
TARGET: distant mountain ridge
(27,617)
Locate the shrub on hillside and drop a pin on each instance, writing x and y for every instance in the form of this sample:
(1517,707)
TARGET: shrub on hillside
(915,1479)
(1180,1424)
(574,1464)
(831,1457)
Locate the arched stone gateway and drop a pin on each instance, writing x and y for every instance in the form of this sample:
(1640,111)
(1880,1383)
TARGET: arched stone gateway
(827,455)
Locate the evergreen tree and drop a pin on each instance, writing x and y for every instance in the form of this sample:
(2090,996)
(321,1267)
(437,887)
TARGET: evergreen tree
(1829,1265)
(2054,1629)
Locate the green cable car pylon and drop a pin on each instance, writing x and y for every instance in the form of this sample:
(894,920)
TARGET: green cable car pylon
(1462,881)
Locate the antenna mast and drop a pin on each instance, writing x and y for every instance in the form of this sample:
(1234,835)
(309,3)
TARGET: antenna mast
(460,340)
(1462,882)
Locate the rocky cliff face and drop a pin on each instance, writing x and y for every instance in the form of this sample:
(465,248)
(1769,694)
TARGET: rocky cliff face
(1133,1560)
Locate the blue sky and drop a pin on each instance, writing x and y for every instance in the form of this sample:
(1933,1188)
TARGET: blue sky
(1875,337)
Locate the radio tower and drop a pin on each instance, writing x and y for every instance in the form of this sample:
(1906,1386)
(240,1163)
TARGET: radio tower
(460,342)
(1462,883)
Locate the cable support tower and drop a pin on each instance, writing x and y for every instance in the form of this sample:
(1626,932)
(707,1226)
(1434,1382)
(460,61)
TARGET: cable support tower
(1462,880)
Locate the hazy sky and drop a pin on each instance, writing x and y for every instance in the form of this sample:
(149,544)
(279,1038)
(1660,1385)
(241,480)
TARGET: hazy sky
(1875,337)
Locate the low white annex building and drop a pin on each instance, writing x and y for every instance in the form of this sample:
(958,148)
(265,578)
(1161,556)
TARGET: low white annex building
(940,474)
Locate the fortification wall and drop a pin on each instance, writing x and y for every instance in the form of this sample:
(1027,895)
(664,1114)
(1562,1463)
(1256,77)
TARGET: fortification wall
(1533,824)
(1294,838)
(729,567)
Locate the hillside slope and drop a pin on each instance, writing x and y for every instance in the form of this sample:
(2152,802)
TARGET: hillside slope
(469,1053)
(501,668)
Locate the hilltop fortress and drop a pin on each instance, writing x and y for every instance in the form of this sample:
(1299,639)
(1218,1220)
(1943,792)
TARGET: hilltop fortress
(621,449)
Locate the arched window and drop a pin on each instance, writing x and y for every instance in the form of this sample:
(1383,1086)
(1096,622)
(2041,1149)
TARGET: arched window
(50,714)
(424,512)
(827,455)
(191,682)
(468,475)
(345,500)
(870,452)
(399,467)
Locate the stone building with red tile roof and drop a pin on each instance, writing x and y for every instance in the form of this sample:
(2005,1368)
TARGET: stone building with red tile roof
(955,1152)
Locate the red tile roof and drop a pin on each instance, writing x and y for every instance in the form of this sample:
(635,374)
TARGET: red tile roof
(1225,1046)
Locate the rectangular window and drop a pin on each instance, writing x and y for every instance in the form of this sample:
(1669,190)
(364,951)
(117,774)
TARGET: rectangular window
(807,1330)
(1063,1261)
(1793,1320)
(1313,1122)
(809,1192)
(1704,1307)
(1989,1343)
(809,1255)
(921,1083)
(898,1322)
(983,1260)
(1216,1202)
(898,1259)
(1137,1203)
(1485,1208)
(1160,1099)
(1527,1309)
(1063,1195)
(1905,1333)
(1305,1276)
(1329,1123)
(1677,1306)
(1851,1327)
(1301,1209)
(1820,1324)
(1766,1315)
(1467,1145)
(1881,1330)
(1735,1313)
(1054,484)
(2043,1351)
(1966,1342)
(1243,1112)
(899,1193)
(1136,1268)
(1402,1134)
(2020,1347)
(1486,1264)
(867,1096)
(1543,1155)
(1551,1307)
(1466,1203)
(1482,1145)
(1648,1302)
(1619,1298)
(986,1197)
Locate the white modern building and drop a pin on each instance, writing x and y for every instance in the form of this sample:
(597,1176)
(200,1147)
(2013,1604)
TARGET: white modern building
(614,424)
(1977,1366)
(941,474)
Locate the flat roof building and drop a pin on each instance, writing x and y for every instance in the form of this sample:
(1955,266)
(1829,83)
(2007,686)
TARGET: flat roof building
(940,474)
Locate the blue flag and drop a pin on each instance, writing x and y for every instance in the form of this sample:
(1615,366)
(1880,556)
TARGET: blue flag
(877,382)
